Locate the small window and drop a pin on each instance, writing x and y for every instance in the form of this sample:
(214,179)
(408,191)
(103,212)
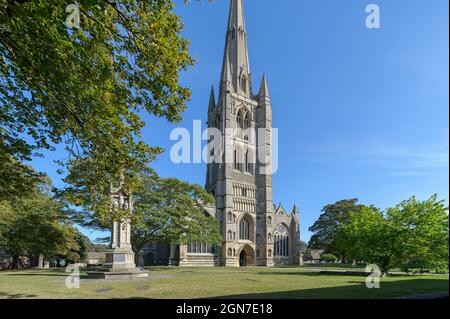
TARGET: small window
(244,84)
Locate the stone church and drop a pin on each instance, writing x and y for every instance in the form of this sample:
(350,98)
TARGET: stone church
(254,230)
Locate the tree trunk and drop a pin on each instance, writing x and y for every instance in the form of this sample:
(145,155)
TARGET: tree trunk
(15,262)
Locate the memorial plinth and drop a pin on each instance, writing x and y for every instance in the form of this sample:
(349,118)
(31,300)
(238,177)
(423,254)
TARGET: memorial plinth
(119,261)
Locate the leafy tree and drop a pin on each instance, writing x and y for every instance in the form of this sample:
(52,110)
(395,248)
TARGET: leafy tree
(421,231)
(329,258)
(302,247)
(326,227)
(367,237)
(87,87)
(412,235)
(164,210)
(35,225)
(16,179)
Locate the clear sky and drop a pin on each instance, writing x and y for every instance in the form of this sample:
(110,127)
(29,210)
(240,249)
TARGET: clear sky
(361,113)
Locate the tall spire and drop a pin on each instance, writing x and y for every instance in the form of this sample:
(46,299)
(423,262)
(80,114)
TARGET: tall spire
(212,100)
(264,89)
(236,50)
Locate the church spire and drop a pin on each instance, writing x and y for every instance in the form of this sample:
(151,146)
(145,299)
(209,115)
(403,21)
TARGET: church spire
(236,50)
(212,100)
(264,89)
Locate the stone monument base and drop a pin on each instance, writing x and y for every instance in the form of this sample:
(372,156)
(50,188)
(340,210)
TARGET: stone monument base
(119,265)
(117,274)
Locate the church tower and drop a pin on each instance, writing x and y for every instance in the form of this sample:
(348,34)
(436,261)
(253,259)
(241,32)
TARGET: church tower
(241,180)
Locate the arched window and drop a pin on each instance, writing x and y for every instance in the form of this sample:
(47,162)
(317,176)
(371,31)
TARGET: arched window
(238,165)
(269,220)
(269,237)
(240,123)
(244,84)
(230,217)
(230,252)
(281,241)
(230,235)
(244,229)
(247,162)
(269,253)
(247,126)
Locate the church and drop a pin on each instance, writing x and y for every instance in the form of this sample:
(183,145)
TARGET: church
(255,232)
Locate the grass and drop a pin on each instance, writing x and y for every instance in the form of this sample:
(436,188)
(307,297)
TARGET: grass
(191,283)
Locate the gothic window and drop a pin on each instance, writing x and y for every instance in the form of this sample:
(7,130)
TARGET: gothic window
(200,248)
(230,252)
(281,241)
(217,122)
(236,164)
(244,84)
(247,162)
(234,252)
(240,119)
(230,235)
(269,220)
(269,253)
(230,217)
(247,126)
(244,229)
(269,237)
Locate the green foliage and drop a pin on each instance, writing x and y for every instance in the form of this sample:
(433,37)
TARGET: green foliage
(87,88)
(325,229)
(411,236)
(302,246)
(164,210)
(16,179)
(329,258)
(37,224)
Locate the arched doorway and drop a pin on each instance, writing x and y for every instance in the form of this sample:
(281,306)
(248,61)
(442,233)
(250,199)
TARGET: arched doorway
(247,257)
(243,259)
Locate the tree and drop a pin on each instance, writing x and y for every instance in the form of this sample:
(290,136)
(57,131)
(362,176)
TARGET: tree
(367,237)
(87,87)
(421,231)
(164,210)
(302,247)
(326,227)
(329,258)
(412,235)
(37,224)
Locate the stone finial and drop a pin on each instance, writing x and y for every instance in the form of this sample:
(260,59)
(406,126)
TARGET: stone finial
(264,89)
(212,100)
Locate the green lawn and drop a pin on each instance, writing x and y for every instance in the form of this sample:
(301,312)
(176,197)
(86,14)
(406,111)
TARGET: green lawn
(189,283)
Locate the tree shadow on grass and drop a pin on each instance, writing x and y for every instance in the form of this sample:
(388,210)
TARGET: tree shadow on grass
(354,290)
(62,274)
(5,295)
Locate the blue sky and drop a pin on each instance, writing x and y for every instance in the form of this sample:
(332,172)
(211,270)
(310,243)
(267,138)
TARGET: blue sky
(361,113)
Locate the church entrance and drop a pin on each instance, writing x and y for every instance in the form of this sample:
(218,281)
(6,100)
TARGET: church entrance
(247,257)
(243,259)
